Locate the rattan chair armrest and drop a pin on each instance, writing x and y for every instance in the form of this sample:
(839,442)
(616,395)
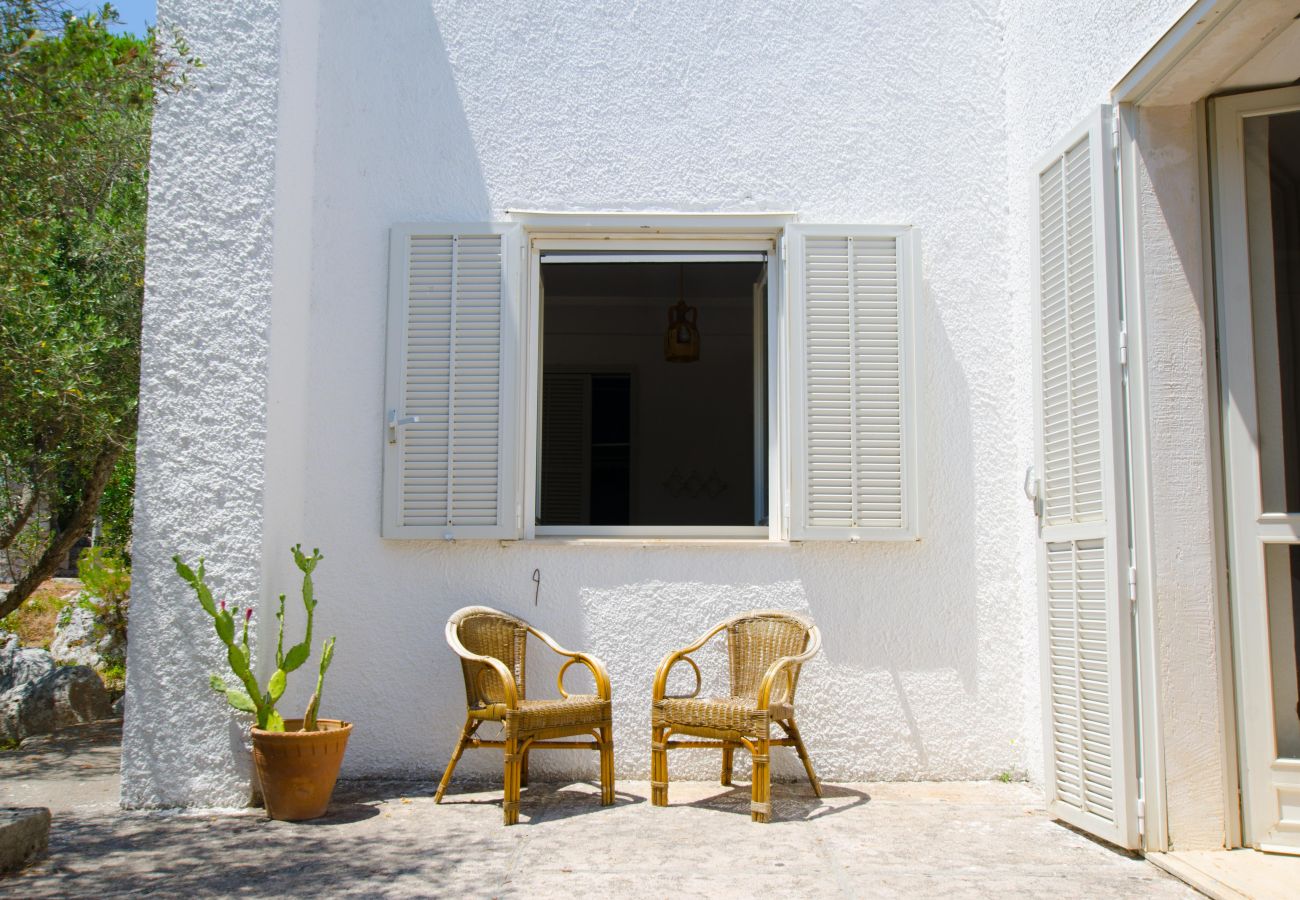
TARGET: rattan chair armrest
(783,664)
(661,674)
(509,693)
(598,671)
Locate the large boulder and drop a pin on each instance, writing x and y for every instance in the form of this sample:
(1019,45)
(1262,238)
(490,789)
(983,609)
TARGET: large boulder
(23,665)
(68,695)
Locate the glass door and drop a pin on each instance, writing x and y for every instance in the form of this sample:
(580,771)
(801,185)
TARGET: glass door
(1257,236)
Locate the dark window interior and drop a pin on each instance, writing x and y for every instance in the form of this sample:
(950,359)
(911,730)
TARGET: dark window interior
(1284,172)
(631,438)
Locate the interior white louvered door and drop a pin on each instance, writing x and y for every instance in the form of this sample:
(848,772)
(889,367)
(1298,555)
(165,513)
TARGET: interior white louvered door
(452,450)
(1083,557)
(852,403)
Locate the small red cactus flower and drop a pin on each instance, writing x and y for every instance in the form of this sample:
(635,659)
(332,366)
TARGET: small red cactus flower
(223,605)
(248,614)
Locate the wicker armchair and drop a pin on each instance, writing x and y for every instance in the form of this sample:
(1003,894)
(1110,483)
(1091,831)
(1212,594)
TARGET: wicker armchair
(491,646)
(765,651)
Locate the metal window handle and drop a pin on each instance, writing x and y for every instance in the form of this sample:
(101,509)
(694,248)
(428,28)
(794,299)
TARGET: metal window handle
(1032,485)
(395,422)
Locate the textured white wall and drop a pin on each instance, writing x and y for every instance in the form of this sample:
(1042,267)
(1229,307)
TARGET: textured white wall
(1064,59)
(1179,323)
(203,396)
(879,113)
(875,112)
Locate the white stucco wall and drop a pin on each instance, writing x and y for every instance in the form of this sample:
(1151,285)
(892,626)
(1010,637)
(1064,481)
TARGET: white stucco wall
(1179,315)
(876,112)
(203,388)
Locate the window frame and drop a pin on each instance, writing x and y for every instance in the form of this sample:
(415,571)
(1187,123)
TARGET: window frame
(767,241)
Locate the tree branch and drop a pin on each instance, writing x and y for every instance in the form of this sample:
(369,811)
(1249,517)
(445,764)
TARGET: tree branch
(26,507)
(78,524)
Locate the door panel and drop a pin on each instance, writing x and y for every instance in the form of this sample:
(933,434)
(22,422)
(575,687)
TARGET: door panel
(1086,618)
(1256,167)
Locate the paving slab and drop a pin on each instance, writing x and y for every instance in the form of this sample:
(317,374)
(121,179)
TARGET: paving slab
(389,839)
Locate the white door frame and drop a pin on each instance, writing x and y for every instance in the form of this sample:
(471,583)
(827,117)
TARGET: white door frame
(1267,782)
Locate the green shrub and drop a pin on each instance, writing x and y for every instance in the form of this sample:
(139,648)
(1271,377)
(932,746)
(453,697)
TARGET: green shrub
(107,581)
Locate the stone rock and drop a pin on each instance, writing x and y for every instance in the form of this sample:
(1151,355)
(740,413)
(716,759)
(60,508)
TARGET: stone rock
(68,695)
(8,647)
(74,639)
(24,835)
(119,707)
(23,666)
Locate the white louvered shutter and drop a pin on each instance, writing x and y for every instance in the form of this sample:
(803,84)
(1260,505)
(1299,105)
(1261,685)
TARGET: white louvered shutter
(452,397)
(1088,706)
(852,402)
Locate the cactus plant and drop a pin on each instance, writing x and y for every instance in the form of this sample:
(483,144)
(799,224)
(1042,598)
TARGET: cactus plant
(249,696)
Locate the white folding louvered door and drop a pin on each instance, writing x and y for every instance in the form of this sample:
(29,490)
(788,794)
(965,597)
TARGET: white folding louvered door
(451,460)
(1086,617)
(852,404)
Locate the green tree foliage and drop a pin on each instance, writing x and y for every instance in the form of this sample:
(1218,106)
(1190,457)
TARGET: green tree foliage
(76,102)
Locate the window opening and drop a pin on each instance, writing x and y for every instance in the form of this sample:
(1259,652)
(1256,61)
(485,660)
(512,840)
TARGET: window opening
(630,437)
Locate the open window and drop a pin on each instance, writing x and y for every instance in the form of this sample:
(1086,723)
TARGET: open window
(679,385)
(654,399)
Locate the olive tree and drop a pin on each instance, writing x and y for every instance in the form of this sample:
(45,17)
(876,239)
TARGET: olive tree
(76,103)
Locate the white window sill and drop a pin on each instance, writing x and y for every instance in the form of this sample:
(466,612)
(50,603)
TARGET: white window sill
(628,541)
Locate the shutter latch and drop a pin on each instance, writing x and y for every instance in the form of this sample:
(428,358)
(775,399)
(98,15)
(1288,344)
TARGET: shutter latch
(1132,584)
(395,422)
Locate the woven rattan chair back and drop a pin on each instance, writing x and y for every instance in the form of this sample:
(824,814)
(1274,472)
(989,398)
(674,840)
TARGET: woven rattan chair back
(490,633)
(757,640)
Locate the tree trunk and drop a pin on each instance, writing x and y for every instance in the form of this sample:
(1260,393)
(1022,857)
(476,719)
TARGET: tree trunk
(78,523)
(15,525)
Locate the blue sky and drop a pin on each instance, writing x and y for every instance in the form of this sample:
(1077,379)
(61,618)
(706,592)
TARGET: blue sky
(136,15)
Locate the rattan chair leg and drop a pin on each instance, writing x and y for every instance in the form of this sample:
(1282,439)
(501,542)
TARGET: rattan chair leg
(523,769)
(793,731)
(727,753)
(465,732)
(658,767)
(760,806)
(513,765)
(607,766)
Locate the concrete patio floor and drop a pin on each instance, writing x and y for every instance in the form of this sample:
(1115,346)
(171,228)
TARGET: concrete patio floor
(388,839)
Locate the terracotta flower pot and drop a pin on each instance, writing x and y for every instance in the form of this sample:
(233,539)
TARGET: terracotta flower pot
(298,769)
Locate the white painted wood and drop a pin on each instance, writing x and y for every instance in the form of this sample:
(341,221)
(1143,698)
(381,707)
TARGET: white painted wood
(1086,617)
(1270,791)
(853,404)
(450,464)
(1151,769)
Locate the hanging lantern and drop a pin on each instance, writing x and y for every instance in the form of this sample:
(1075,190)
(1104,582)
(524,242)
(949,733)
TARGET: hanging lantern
(682,340)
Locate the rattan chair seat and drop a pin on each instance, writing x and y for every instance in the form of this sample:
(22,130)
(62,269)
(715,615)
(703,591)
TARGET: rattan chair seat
(738,714)
(574,711)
